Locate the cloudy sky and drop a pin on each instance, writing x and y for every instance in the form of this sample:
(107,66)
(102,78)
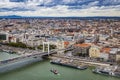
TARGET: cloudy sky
(60,8)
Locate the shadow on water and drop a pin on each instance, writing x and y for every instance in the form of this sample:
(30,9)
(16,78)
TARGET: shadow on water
(26,67)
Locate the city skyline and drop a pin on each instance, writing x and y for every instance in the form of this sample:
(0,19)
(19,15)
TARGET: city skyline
(60,8)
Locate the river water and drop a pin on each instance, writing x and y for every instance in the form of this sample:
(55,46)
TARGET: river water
(5,55)
(41,71)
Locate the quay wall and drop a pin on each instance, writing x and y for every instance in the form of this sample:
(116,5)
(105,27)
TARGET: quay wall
(81,61)
(95,63)
(19,64)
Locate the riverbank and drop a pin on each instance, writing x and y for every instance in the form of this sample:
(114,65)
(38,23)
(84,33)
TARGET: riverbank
(11,49)
(78,61)
(19,51)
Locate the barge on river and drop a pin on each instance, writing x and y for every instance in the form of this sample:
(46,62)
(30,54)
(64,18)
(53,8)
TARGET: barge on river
(111,71)
(59,62)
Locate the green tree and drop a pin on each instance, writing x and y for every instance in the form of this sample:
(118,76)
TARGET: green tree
(51,47)
(19,44)
(40,47)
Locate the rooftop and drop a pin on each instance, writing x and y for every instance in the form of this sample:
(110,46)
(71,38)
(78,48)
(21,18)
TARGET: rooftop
(66,43)
(82,45)
(106,50)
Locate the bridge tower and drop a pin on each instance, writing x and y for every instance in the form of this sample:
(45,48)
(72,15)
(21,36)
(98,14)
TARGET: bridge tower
(48,47)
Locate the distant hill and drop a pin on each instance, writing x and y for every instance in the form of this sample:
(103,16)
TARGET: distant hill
(43,17)
(11,16)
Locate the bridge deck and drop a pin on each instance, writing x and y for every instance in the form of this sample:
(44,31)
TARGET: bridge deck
(23,57)
(30,55)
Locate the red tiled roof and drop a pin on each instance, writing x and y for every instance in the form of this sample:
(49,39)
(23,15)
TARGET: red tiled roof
(106,50)
(66,43)
(82,45)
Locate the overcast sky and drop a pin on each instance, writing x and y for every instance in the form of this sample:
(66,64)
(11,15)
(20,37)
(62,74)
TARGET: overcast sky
(60,8)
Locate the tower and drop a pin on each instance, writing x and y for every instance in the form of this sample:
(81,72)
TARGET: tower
(111,32)
(48,47)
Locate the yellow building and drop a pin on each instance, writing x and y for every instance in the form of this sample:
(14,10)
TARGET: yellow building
(118,57)
(81,49)
(60,44)
(94,52)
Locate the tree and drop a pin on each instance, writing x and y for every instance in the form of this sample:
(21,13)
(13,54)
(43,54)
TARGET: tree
(40,47)
(19,44)
(52,47)
(33,48)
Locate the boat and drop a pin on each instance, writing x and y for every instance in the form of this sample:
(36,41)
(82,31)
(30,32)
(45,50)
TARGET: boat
(106,71)
(8,51)
(100,71)
(82,67)
(54,71)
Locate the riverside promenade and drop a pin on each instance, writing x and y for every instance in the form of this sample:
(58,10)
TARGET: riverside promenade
(79,61)
(19,51)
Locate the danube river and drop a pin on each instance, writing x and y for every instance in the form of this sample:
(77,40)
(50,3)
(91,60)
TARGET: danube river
(41,71)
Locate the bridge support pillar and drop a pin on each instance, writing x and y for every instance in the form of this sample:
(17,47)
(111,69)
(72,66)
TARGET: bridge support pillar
(48,47)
